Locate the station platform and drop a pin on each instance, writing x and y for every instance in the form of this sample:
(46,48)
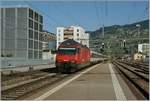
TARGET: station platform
(99,82)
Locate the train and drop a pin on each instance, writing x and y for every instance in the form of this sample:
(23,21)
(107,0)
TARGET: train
(72,56)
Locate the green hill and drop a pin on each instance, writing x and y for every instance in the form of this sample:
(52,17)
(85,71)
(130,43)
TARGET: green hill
(122,29)
(114,36)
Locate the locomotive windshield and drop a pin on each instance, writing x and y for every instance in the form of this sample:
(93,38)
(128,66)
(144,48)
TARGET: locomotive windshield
(67,51)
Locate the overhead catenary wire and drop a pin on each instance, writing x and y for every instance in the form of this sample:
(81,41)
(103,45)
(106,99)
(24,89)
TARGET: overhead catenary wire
(50,18)
(106,12)
(97,14)
(142,14)
(65,14)
(103,11)
(70,15)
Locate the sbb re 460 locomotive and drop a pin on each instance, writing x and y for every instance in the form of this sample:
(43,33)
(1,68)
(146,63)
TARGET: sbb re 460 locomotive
(72,56)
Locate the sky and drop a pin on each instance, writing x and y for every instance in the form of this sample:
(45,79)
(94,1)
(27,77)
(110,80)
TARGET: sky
(91,15)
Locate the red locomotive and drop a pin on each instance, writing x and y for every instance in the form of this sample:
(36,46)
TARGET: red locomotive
(72,56)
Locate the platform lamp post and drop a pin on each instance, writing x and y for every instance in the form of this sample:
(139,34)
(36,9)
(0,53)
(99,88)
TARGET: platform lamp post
(124,44)
(138,26)
(103,45)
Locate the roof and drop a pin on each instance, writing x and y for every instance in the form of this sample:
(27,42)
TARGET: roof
(71,42)
(22,6)
(139,53)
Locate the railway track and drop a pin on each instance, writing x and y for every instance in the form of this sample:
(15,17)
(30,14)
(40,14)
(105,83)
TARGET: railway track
(8,82)
(18,85)
(142,67)
(16,92)
(140,80)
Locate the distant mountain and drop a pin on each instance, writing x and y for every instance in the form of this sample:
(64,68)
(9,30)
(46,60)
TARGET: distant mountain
(121,29)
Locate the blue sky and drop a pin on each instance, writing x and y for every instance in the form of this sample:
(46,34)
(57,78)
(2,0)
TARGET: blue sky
(89,14)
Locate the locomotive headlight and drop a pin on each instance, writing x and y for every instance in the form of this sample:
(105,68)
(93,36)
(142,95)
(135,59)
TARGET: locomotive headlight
(73,61)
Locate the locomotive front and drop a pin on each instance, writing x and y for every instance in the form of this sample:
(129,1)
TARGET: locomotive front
(71,56)
(67,58)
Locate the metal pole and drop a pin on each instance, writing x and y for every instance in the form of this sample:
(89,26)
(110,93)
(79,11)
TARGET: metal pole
(103,31)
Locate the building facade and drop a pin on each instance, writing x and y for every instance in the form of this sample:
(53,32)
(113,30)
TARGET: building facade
(144,48)
(76,33)
(21,31)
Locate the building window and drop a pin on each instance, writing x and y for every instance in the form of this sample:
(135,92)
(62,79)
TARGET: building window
(31,34)
(35,25)
(36,16)
(40,27)
(40,45)
(30,13)
(30,23)
(66,38)
(36,35)
(41,19)
(77,30)
(77,34)
(40,54)
(35,45)
(35,54)
(40,36)
(31,44)
(30,54)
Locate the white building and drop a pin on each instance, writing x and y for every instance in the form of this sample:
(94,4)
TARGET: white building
(73,32)
(144,48)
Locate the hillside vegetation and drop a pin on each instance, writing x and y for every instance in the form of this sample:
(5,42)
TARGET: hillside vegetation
(114,37)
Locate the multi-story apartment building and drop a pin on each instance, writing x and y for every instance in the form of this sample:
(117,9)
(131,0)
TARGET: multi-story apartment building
(21,31)
(73,32)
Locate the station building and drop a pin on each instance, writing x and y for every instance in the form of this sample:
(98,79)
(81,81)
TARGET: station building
(49,44)
(49,41)
(144,48)
(76,33)
(21,31)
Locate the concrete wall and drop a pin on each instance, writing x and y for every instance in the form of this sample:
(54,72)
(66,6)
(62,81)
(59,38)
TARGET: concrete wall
(10,63)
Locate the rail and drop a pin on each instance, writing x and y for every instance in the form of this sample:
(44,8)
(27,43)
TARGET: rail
(140,80)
